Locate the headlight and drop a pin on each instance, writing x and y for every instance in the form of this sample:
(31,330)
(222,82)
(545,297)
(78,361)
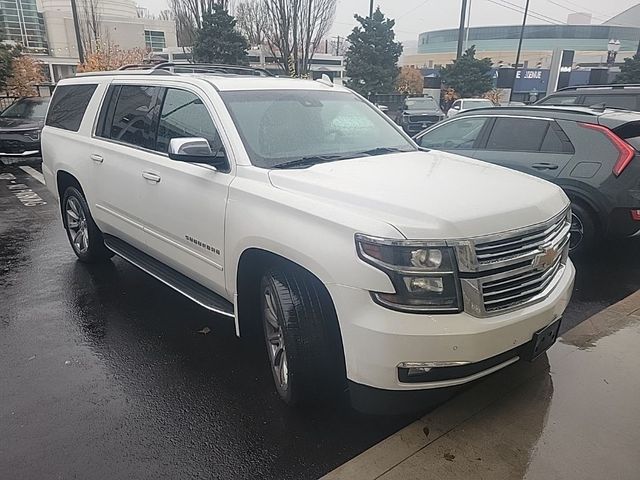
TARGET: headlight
(424,274)
(32,134)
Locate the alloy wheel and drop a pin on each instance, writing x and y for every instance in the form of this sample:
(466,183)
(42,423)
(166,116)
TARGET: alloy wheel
(275,341)
(77,225)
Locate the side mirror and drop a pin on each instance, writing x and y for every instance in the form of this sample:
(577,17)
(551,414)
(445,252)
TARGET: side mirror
(196,150)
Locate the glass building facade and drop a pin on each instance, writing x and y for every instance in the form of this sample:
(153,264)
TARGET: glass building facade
(21,22)
(536,37)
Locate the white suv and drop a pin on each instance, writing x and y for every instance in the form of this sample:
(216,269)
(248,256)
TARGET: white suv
(373,266)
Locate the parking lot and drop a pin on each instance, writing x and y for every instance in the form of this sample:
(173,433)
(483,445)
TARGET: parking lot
(107,373)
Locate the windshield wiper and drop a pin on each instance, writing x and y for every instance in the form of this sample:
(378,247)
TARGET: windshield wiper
(383,150)
(311,160)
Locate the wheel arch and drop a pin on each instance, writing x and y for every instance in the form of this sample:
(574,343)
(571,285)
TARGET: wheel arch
(64,180)
(252,263)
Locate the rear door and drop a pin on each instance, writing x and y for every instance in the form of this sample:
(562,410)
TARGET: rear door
(536,146)
(121,152)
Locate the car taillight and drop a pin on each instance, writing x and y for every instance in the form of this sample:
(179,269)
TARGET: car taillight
(625,151)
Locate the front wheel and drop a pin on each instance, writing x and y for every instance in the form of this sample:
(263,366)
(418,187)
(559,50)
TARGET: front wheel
(84,235)
(302,336)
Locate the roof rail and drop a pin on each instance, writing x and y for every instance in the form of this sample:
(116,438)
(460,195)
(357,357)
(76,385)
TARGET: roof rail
(210,68)
(613,86)
(581,110)
(173,68)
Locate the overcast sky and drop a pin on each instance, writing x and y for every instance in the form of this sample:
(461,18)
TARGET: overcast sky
(415,16)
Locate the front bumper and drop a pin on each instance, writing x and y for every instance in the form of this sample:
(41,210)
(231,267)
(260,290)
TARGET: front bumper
(376,340)
(18,147)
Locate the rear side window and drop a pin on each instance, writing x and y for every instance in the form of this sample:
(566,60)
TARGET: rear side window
(559,100)
(68,105)
(131,115)
(517,134)
(616,101)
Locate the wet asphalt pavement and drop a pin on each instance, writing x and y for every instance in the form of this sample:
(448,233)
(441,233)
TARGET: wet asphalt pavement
(103,373)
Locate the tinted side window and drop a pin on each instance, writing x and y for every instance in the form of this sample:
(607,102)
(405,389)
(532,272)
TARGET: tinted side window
(619,101)
(559,100)
(134,116)
(456,135)
(556,141)
(68,105)
(184,115)
(517,134)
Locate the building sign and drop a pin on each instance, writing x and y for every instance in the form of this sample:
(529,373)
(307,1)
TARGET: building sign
(529,74)
(531,80)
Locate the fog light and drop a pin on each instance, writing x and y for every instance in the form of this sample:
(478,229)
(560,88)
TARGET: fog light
(417,371)
(424,284)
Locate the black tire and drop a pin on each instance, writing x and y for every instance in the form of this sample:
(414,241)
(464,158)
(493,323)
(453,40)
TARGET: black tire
(585,233)
(312,348)
(89,248)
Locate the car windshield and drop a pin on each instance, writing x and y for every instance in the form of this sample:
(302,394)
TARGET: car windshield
(420,104)
(281,127)
(27,108)
(477,104)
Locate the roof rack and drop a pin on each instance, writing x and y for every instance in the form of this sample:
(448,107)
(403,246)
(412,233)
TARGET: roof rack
(617,86)
(191,67)
(582,110)
(174,68)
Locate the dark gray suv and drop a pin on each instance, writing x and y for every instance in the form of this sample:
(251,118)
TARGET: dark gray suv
(592,154)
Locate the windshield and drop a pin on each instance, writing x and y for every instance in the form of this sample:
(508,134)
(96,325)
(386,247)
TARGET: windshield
(477,104)
(421,104)
(27,108)
(281,126)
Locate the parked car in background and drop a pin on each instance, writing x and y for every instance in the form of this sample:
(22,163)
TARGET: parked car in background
(464,104)
(591,154)
(614,96)
(419,113)
(20,127)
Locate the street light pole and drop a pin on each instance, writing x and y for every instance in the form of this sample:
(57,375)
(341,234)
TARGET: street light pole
(76,26)
(370,8)
(515,72)
(463,15)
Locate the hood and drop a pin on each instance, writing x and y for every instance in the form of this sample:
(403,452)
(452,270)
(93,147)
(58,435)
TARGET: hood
(429,195)
(11,124)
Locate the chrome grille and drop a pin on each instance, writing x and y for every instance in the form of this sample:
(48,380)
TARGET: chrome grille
(515,269)
(519,245)
(517,289)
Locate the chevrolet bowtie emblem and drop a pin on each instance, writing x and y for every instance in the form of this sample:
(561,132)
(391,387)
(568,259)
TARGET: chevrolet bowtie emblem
(546,259)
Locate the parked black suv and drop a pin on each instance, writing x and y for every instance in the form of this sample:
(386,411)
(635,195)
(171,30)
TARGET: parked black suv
(20,127)
(419,113)
(614,96)
(592,154)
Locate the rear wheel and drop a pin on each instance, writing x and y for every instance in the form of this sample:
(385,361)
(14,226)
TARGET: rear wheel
(301,334)
(84,235)
(584,230)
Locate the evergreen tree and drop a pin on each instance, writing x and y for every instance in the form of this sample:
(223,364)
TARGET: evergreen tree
(7,54)
(372,58)
(630,71)
(468,76)
(218,41)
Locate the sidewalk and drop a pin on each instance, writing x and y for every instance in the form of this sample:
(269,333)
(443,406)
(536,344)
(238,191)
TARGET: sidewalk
(575,415)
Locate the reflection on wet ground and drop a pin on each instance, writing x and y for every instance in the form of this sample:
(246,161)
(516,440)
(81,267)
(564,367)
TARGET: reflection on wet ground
(105,376)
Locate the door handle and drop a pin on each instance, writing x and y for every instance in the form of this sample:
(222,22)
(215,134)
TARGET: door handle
(151,176)
(97,158)
(545,166)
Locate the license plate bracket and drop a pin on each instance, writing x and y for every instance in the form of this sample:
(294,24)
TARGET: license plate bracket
(542,340)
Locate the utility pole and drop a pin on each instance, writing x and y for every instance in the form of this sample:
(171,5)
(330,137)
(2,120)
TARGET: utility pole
(370,8)
(76,26)
(466,37)
(338,46)
(515,72)
(463,15)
